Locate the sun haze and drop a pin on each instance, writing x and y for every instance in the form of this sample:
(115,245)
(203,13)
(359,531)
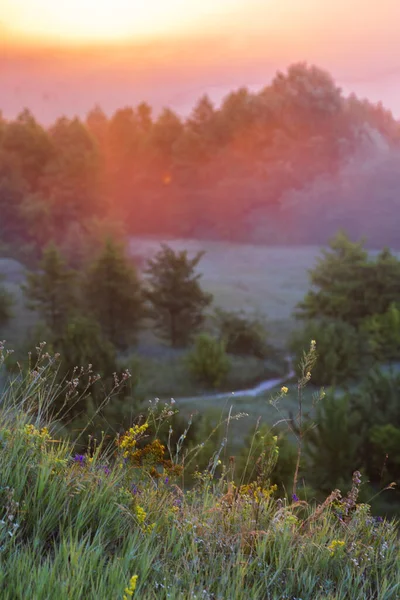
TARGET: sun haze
(85,21)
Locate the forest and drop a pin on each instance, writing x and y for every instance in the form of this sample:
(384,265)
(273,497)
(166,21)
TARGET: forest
(289,165)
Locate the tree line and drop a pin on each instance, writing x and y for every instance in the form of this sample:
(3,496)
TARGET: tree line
(223,172)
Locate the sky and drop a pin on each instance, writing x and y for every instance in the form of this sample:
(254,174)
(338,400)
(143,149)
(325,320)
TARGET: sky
(64,56)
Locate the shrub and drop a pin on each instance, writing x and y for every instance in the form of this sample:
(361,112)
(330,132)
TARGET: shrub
(208,362)
(341,350)
(6,302)
(242,334)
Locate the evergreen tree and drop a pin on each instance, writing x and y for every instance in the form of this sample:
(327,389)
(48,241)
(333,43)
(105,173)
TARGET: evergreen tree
(383,331)
(338,283)
(113,294)
(52,290)
(177,300)
(350,286)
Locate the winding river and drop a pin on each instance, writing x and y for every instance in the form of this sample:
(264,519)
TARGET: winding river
(261,388)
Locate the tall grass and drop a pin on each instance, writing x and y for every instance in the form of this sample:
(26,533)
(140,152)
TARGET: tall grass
(80,526)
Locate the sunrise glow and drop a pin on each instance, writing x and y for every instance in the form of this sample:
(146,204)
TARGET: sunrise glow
(103,20)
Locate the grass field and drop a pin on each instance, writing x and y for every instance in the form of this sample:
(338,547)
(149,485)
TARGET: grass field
(266,280)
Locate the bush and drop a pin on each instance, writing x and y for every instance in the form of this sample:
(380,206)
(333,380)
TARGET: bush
(6,302)
(208,362)
(341,350)
(242,334)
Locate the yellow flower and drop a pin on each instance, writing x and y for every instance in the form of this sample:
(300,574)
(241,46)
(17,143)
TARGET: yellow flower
(130,590)
(336,544)
(284,389)
(141,514)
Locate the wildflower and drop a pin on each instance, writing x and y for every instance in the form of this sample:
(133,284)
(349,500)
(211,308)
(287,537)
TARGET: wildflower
(336,545)
(80,459)
(284,389)
(295,498)
(141,514)
(130,590)
(129,440)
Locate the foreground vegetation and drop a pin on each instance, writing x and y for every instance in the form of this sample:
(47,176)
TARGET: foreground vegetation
(104,516)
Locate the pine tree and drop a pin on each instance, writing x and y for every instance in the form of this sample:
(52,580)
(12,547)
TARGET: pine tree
(52,290)
(113,294)
(338,283)
(349,285)
(177,300)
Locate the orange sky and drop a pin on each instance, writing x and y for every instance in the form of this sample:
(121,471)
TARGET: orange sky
(63,56)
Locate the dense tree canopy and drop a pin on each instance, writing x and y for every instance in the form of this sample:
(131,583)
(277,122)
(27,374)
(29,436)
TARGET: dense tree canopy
(288,164)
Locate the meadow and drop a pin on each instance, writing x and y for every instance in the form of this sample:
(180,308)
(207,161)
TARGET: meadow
(116,520)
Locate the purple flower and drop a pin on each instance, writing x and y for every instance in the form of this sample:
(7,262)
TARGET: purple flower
(379,519)
(135,489)
(106,470)
(295,498)
(166,480)
(80,459)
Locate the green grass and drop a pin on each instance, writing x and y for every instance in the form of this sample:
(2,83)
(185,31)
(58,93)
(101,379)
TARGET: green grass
(77,529)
